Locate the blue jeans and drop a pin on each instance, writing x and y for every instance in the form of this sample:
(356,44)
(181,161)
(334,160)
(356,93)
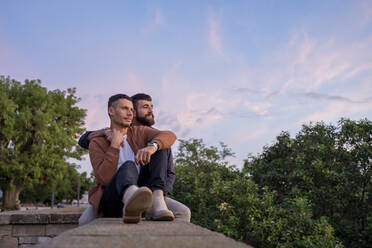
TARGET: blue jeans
(152,175)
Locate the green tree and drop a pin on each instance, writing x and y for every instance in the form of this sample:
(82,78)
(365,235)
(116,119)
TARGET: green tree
(329,165)
(223,199)
(64,187)
(38,132)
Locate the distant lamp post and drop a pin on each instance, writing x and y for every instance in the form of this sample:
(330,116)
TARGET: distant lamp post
(78,191)
(52,200)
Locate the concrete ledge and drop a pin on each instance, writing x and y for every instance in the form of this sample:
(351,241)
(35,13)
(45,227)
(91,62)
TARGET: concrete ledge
(46,216)
(112,232)
(28,228)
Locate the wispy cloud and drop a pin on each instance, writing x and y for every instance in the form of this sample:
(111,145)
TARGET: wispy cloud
(157,19)
(365,11)
(167,77)
(237,138)
(263,92)
(327,97)
(311,63)
(259,108)
(343,107)
(214,36)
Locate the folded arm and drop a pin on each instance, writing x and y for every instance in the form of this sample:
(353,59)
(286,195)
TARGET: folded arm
(105,163)
(164,139)
(85,139)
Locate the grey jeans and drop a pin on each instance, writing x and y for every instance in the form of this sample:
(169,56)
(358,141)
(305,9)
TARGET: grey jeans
(180,211)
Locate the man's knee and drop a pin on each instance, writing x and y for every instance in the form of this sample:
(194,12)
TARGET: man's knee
(180,210)
(87,216)
(158,163)
(160,156)
(128,167)
(186,214)
(126,175)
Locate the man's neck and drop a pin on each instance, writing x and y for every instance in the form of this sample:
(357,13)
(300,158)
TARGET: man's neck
(123,130)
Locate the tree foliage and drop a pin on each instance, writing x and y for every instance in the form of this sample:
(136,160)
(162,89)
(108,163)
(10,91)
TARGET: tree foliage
(64,187)
(38,132)
(329,165)
(223,199)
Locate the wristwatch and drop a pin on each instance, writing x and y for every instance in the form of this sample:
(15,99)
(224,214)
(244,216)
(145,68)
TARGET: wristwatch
(152,143)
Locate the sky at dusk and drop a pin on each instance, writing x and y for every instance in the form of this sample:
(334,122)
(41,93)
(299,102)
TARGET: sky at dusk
(239,72)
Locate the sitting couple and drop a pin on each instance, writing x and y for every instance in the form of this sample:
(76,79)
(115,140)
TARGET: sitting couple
(132,164)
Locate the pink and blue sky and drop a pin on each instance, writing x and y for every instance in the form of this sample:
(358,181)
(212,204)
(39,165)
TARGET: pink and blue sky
(239,72)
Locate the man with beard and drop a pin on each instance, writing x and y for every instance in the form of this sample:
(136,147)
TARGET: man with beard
(129,166)
(144,116)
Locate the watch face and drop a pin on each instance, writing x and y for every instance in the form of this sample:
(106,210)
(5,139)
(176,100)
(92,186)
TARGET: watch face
(151,143)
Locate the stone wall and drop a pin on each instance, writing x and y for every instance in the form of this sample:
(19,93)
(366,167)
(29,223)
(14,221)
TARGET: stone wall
(22,229)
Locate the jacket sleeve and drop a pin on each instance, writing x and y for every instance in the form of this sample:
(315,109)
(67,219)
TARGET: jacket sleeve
(88,136)
(165,139)
(104,164)
(84,141)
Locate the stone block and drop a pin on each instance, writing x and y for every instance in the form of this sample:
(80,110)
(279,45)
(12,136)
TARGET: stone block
(29,219)
(42,240)
(5,230)
(27,246)
(28,240)
(62,218)
(28,230)
(32,240)
(4,219)
(8,242)
(55,229)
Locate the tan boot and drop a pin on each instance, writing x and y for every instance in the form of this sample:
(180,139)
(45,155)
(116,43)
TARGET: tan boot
(136,200)
(159,210)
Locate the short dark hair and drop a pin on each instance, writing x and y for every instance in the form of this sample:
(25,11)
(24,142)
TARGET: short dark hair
(140,96)
(116,97)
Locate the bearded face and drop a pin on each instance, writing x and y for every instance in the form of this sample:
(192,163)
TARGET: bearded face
(144,113)
(147,120)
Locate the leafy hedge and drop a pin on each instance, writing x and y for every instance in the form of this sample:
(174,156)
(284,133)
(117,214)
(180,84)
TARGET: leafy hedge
(223,199)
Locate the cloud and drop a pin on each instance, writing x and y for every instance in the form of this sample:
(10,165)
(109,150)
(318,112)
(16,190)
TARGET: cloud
(263,92)
(165,120)
(214,37)
(364,10)
(339,107)
(258,108)
(319,96)
(250,134)
(310,63)
(167,77)
(358,69)
(201,109)
(157,19)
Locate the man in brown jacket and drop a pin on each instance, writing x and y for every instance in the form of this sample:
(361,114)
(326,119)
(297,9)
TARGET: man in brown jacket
(129,158)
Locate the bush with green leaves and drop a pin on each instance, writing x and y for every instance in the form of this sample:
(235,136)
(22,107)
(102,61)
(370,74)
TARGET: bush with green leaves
(329,165)
(223,199)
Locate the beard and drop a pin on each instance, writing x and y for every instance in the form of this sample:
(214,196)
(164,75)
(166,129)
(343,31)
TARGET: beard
(147,120)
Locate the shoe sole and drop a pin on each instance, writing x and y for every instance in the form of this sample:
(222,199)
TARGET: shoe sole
(139,202)
(165,216)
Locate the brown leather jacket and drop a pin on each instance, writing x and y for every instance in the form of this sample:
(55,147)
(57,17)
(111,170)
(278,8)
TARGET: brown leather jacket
(104,158)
